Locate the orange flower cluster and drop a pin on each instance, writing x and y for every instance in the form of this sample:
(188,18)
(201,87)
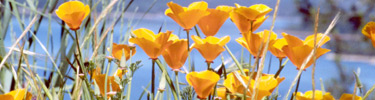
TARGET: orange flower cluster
(210,20)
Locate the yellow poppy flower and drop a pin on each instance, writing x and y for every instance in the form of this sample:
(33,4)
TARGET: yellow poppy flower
(252,42)
(112,85)
(253,12)
(297,50)
(309,40)
(243,24)
(73,13)
(119,49)
(346,96)
(243,17)
(267,83)
(318,95)
(210,47)
(18,94)
(222,93)
(176,54)
(202,82)
(211,24)
(152,44)
(369,31)
(187,17)
(276,46)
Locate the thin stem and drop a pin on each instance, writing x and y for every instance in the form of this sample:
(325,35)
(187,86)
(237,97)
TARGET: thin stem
(79,49)
(295,92)
(196,30)
(129,88)
(281,67)
(177,85)
(235,60)
(188,39)
(208,65)
(269,64)
(153,79)
(191,68)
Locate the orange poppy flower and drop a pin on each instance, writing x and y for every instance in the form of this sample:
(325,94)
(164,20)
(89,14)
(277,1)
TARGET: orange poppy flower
(369,32)
(253,12)
(111,83)
(202,82)
(309,40)
(122,49)
(210,47)
(267,83)
(152,44)
(252,42)
(276,46)
(211,24)
(176,54)
(318,95)
(187,17)
(222,93)
(297,50)
(243,24)
(346,96)
(73,13)
(18,94)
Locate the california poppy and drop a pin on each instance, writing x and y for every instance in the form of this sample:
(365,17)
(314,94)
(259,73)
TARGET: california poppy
(346,96)
(297,50)
(18,94)
(73,13)
(152,44)
(176,54)
(210,47)
(369,31)
(276,46)
(202,82)
(243,24)
(253,12)
(222,93)
(318,95)
(243,17)
(211,24)
(112,85)
(252,42)
(267,83)
(187,17)
(118,50)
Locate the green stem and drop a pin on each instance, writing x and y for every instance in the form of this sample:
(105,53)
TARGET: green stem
(235,60)
(281,67)
(129,89)
(196,30)
(79,50)
(295,92)
(153,79)
(208,65)
(177,85)
(188,39)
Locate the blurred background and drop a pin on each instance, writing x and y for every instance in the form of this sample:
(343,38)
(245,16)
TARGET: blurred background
(350,50)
